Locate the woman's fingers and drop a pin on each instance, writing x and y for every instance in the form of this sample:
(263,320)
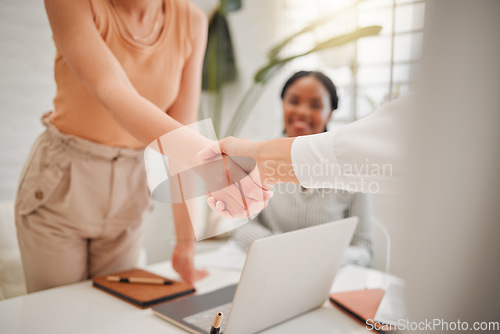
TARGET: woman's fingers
(211,203)
(238,169)
(228,203)
(211,151)
(250,184)
(220,206)
(252,188)
(225,214)
(245,195)
(235,210)
(199,274)
(230,209)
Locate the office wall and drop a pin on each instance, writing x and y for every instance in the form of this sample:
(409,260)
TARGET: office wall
(26,84)
(452,214)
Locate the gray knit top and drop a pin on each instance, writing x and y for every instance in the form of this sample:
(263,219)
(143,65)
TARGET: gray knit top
(294,207)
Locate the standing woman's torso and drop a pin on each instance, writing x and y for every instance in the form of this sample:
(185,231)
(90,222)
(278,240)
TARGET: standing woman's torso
(155,70)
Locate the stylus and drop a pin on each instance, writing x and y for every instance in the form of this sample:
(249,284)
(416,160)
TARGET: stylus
(215,329)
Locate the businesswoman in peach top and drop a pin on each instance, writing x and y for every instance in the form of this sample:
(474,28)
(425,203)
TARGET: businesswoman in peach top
(127,72)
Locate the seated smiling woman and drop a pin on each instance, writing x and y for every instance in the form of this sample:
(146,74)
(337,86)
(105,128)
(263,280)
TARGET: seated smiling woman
(309,99)
(127,72)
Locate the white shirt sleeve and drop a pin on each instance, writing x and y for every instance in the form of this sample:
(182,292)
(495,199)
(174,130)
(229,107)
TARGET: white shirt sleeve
(363,156)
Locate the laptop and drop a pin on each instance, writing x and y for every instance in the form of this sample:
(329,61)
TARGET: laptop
(284,275)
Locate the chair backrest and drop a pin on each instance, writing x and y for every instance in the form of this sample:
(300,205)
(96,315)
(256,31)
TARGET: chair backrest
(12,281)
(381,247)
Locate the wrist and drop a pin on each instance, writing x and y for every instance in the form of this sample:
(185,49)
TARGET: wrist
(274,161)
(261,156)
(182,146)
(185,244)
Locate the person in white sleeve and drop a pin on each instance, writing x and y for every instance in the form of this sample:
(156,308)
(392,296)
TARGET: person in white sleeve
(364,156)
(309,99)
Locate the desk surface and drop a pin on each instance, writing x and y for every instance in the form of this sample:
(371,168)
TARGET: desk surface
(80,308)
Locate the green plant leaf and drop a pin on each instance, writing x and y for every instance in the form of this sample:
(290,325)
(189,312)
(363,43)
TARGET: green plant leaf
(264,73)
(273,54)
(219,64)
(233,5)
(346,38)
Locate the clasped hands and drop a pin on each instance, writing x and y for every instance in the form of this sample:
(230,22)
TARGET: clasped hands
(247,191)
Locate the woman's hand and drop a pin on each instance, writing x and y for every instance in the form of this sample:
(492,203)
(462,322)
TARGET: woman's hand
(227,181)
(183,262)
(238,147)
(273,165)
(250,184)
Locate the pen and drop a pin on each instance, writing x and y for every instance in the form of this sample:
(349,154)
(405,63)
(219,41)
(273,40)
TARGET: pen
(215,329)
(142,280)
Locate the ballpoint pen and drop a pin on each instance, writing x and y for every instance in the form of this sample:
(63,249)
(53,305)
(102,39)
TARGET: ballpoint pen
(141,280)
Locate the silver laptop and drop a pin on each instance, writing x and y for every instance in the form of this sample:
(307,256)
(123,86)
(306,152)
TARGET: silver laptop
(284,275)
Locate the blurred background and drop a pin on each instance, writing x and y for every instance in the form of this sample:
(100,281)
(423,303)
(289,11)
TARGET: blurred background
(445,240)
(371,50)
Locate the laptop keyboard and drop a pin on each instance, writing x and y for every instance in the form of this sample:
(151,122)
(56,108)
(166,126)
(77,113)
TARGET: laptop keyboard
(205,319)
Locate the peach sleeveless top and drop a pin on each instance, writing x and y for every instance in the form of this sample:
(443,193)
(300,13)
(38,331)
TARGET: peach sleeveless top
(155,71)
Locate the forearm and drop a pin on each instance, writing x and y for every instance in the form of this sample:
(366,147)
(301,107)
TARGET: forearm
(363,156)
(275,162)
(184,213)
(183,229)
(147,122)
(184,250)
(136,114)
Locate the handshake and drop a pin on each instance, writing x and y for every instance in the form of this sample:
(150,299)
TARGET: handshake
(246,190)
(237,174)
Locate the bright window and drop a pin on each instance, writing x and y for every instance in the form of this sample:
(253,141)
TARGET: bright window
(370,71)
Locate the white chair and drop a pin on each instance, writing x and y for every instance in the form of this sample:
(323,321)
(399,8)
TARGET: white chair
(12,281)
(381,247)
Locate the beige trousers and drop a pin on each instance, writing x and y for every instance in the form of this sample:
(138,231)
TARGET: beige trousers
(79,209)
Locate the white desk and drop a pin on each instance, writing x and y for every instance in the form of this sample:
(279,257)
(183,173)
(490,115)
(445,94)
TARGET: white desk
(80,308)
